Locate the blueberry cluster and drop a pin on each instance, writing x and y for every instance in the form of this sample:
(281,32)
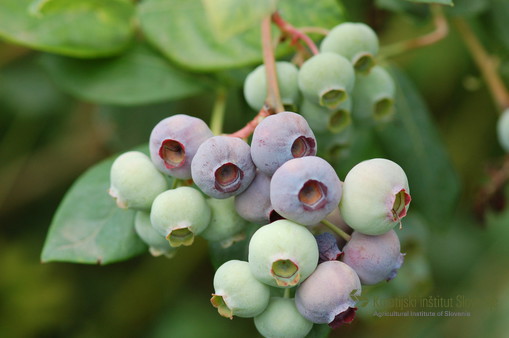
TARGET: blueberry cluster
(295,274)
(339,84)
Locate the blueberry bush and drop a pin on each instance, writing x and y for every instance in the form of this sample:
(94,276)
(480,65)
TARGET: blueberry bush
(275,168)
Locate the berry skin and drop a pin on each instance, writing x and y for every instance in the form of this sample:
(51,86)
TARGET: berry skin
(324,298)
(282,254)
(326,79)
(222,166)
(174,142)
(225,224)
(253,204)
(281,319)
(324,119)
(279,138)
(255,85)
(135,182)
(375,196)
(305,190)
(374,258)
(237,292)
(373,95)
(355,41)
(158,245)
(179,215)
(503,130)
(327,247)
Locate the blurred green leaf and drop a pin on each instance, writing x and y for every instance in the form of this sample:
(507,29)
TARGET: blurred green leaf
(80,28)
(467,7)
(442,2)
(230,17)
(139,76)
(412,141)
(88,227)
(499,18)
(180,29)
(26,90)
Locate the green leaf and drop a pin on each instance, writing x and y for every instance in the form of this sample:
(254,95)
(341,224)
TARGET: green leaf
(412,141)
(468,7)
(26,90)
(499,17)
(80,28)
(180,29)
(230,17)
(88,227)
(441,2)
(139,76)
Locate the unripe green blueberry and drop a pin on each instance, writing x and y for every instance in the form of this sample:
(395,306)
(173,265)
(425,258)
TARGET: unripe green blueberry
(325,297)
(281,319)
(324,119)
(503,130)
(255,85)
(180,214)
(135,182)
(326,79)
(354,40)
(282,254)
(237,292)
(373,95)
(225,224)
(375,196)
(158,245)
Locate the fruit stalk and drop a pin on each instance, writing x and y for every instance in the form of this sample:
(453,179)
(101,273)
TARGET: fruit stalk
(485,63)
(294,33)
(217,118)
(337,230)
(441,30)
(273,95)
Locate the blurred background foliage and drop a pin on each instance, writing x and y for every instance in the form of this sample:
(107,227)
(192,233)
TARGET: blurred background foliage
(61,115)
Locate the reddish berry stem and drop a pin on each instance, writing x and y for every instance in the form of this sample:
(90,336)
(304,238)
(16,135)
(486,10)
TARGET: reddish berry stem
(294,33)
(248,129)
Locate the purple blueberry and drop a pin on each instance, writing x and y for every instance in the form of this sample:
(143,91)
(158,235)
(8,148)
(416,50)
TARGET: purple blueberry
(279,138)
(222,166)
(327,247)
(374,258)
(325,296)
(254,203)
(305,190)
(174,142)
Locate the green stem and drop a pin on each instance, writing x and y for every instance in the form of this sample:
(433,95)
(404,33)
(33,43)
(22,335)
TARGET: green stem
(337,230)
(441,30)
(217,118)
(287,293)
(486,65)
(176,183)
(273,94)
